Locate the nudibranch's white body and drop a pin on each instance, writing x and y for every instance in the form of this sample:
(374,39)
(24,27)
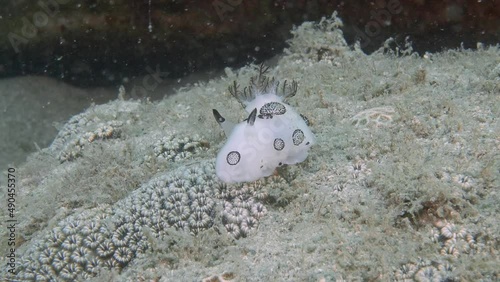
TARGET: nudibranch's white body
(274,134)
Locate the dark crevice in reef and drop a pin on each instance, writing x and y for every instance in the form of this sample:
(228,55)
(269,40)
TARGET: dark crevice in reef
(103,43)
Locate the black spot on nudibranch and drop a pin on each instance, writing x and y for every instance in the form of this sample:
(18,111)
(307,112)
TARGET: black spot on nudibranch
(279,144)
(298,137)
(233,158)
(272,109)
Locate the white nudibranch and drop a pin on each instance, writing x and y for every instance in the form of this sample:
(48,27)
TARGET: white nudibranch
(274,134)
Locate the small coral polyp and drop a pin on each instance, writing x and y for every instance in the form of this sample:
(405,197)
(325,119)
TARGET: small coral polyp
(377,117)
(274,134)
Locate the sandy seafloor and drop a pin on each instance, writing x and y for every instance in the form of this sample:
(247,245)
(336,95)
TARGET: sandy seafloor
(401,185)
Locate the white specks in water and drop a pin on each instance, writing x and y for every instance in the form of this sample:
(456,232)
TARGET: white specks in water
(150,26)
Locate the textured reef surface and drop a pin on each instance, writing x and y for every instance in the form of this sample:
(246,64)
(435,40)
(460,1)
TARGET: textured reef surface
(402,183)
